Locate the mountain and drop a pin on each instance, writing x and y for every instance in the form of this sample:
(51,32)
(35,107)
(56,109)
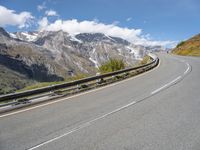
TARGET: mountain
(189,47)
(30,57)
(25,36)
(94,49)
(23,63)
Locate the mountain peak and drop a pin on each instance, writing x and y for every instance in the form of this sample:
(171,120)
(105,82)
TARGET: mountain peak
(3,32)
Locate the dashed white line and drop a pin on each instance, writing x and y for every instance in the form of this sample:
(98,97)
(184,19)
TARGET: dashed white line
(166,85)
(175,80)
(86,124)
(82,126)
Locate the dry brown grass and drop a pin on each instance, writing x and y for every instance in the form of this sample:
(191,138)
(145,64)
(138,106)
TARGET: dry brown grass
(190,47)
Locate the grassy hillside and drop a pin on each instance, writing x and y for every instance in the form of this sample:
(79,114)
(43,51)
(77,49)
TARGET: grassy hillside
(44,84)
(190,47)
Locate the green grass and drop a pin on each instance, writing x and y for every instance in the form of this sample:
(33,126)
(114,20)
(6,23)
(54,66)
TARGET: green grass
(44,84)
(112,65)
(39,85)
(146,59)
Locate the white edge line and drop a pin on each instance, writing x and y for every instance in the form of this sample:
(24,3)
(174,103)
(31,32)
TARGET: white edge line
(98,118)
(86,124)
(173,81)
(166,85)
(188,67)
(105,115)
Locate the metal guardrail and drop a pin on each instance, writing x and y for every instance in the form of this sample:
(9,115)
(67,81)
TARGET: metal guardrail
(28,93)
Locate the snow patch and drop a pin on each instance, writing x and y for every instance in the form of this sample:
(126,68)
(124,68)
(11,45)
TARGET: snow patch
(110,38)
(13,35)
(73,38)
(120,52)
(94,61)
(135,52)
(93,58)
(30,37)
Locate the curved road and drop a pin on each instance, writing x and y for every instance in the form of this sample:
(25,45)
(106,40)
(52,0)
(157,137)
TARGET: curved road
(156,110)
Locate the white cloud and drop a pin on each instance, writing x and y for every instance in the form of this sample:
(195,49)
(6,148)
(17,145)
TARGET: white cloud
(129,19)
(74,27)
(51,13)
(42,6)
(43,23)
(10,17)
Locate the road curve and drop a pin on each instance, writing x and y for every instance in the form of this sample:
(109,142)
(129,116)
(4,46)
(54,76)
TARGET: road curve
(157,110)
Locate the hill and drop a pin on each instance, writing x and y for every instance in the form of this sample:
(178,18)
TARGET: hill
(189,47)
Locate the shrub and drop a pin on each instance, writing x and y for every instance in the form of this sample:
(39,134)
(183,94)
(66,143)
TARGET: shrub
(112,65)
(146,59)
(179,44)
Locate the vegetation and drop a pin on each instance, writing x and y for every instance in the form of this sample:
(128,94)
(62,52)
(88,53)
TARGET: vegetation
(44,84)
(179,44)
(77,77)
(190,47)
(146,59)
(109,66)
(39,85)
(112,65)
(11,81)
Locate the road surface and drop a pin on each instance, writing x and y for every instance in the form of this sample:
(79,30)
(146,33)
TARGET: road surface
(156,110)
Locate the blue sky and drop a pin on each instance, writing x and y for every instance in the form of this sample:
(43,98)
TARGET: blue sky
(173,20)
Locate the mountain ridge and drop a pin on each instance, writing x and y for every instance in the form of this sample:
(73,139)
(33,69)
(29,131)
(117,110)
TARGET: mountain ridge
(56,55)
(190,47)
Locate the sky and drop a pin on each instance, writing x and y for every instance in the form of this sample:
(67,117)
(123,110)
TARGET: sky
(164,22)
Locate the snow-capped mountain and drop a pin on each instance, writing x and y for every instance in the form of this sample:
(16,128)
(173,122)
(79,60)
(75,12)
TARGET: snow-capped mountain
(95,47)
(56,55)
(53,55)
(25,36)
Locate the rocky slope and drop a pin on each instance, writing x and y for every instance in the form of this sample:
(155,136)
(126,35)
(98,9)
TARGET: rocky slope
(189,47)
(82,52)
(11,80)
(56,55)
(23,63)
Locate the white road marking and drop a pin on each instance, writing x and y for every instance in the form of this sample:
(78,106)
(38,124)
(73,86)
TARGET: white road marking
(86,124)
(77,95)
(166,85)
(175,80)
(188,68)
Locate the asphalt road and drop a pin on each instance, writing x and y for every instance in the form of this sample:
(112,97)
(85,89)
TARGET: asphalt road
(157,110)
